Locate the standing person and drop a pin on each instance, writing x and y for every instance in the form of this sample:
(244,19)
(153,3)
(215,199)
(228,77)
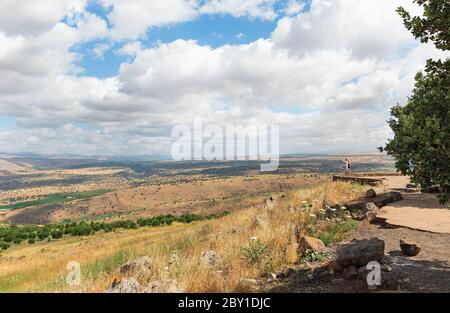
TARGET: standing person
(347,165)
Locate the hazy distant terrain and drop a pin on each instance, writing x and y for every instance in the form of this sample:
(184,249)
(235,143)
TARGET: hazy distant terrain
(43,190)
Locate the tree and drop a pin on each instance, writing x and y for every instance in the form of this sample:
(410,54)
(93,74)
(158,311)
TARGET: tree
(421,145)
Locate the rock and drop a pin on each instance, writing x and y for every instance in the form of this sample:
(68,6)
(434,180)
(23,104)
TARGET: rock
(409,247)
(314,244)
(350,272)
(130,285)
(335,266)
(411,186)
(371,193)
(389,281)
(291,252)
(372,211)
(209,258)
(360,252)
(163,286)
(141,267)
(247,285)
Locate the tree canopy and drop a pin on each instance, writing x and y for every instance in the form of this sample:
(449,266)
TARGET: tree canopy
(421,145)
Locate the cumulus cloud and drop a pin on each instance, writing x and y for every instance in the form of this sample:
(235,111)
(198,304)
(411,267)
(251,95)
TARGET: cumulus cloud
(327,76)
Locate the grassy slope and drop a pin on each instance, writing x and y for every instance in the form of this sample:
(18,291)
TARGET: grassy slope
(42,266)
(55,198)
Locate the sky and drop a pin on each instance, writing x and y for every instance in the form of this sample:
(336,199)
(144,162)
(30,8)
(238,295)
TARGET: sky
(113,77)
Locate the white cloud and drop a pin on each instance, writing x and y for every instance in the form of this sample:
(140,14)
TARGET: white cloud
(250,8)
(100,49)
(132,18)
(328,77)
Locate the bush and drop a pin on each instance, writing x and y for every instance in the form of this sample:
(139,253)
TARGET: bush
(255,252)
(4,245)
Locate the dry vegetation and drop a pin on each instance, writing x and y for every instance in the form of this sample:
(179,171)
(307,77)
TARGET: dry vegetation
(176,250)
(201,195)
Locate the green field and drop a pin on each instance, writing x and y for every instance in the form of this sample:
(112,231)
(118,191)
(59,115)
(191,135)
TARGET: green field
(55,198)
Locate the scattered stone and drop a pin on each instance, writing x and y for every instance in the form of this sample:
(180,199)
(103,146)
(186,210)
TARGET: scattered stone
(314,244)
(360,252)
(141,267)
(130,285)
(163,286)
(350,272)
(409,247)
(209,258)
(291,252)
(371,193)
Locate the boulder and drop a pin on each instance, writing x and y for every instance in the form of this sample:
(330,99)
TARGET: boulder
(125,285)
(360,252)
(411,186)
(371,193)
(209,258)
(314,244)
(371,211)
(141,267)
(409,247)
(350,272)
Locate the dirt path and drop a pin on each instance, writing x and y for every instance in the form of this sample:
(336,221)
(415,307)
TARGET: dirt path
(429,271)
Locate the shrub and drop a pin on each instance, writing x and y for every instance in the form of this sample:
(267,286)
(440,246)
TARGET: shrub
(255,252)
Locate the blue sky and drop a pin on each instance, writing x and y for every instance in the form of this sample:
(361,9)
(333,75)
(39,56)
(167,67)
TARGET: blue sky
(116,76)
(214,30)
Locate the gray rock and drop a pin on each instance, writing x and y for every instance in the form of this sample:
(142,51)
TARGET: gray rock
(141,267)
(350,272)
(163,286)
(209,258)
(360,252)
(371,193)
(130,285)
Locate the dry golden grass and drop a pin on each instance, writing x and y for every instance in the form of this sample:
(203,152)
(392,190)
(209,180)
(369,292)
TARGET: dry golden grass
(175,250)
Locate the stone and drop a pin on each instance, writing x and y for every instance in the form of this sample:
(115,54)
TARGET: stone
(411,186)
(291,252)
(360,252)
(163,286)
(141,267)
(335,266)
(130,285)
(372,211)
(409,247)
(389,281)
(209,258)
(371,193)
(258,223)
(350,272)
(314,244)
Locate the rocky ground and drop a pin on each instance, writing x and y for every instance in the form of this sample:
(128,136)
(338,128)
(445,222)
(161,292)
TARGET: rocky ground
(427,271)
